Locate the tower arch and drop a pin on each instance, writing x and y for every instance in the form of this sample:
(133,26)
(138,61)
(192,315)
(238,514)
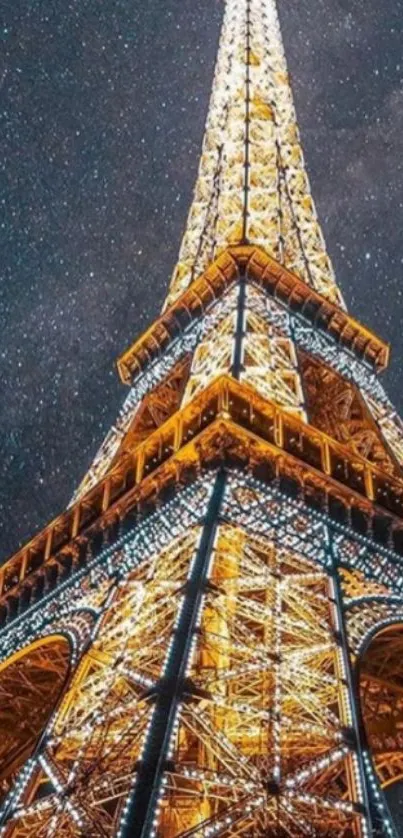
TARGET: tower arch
(379,679)
(32,681)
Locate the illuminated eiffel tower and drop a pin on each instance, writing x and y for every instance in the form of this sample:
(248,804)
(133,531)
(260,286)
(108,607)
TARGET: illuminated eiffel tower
(208,641)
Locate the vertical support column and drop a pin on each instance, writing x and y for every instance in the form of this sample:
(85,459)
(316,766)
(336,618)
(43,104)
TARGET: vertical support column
(237,362)
(305,416)
(169,692)
(342,641)
(248,49)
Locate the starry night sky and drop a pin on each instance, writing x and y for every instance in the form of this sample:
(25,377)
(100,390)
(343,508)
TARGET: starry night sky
(103,109)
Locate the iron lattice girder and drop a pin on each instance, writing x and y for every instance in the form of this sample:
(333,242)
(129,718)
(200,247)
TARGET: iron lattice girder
(275,280)
(228,423)
(268,545)
(238,705)
(272,337)
(252,185)
(236,649)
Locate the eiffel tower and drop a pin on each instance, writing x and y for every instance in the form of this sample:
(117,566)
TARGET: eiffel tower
(208,641)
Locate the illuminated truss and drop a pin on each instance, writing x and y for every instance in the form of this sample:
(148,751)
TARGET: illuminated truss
(213,353)
(271,340)
(252,187)
(200,632)
(85,771)
(261,737)
(246,726)
(336,407)
(267,355)
(252,183)
(384,413)
(252,751)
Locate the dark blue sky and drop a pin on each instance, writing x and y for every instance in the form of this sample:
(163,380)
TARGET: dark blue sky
(103,108)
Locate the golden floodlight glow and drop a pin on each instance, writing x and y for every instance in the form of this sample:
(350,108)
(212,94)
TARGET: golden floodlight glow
(207,642)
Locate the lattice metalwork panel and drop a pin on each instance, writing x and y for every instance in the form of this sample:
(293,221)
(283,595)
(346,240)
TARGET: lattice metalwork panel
(30,687)
(385,415)
(268,353)
(369,614)
(86,589)
(269,512)
(259,745)
(369,605)
(271,336)
(375,562)
(265,511)
(143,385)
(213,353)
(80,779)
(261,740)
(266,350)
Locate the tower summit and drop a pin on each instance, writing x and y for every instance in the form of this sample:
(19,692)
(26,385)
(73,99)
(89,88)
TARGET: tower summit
(208,641)
(252,186)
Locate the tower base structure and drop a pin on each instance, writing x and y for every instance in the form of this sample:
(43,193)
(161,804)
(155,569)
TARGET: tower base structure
(200,663)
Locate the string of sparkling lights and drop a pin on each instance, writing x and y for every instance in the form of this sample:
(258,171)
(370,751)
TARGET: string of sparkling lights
(205,623)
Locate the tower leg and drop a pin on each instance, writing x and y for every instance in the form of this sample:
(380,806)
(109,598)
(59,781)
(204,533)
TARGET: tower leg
(351,694)
(173,686)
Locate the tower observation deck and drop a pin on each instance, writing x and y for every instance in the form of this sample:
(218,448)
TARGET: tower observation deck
(208,641)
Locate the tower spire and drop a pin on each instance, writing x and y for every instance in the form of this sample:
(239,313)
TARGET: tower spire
(252,191)
(252,186)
